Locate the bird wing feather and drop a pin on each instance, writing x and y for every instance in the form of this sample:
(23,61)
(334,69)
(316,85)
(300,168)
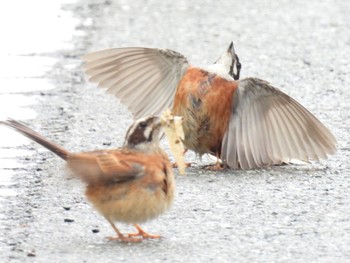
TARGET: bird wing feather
(144,79)
(268,127)
(105,167)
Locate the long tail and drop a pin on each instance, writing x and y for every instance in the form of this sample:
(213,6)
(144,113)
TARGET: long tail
(33,135)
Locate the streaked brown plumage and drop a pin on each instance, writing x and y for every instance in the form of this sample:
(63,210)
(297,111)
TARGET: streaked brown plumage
(131,185)
(248,123)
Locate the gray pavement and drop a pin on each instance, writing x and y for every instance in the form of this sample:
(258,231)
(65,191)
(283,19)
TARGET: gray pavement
(294,213)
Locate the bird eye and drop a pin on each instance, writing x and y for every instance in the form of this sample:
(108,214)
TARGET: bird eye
(143,124)
(239,65)
(236,70)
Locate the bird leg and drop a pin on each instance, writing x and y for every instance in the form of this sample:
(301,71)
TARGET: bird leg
(142,233)
(187,164)
(218,166)
(121,237)
(176,166)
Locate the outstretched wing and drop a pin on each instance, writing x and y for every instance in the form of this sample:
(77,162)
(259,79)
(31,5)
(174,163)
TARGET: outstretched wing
(144,79)
(269,127)
(105,167)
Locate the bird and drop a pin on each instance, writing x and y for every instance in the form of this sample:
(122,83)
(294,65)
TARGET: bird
(132,184)
(247,123)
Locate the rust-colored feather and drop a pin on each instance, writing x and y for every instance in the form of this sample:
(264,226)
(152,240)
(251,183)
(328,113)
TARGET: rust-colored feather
(205,101)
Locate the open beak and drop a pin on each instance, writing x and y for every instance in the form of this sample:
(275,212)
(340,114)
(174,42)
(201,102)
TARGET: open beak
(156,122)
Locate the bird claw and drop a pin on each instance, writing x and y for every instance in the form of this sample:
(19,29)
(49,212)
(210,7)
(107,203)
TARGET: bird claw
(214,167)
(144,235)
(176,166)
(126,239)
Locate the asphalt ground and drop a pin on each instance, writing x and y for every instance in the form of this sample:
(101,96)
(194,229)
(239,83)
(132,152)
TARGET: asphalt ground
(293,213)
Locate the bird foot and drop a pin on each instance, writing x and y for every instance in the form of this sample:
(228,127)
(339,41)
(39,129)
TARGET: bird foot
(176,166)
(214,167)
(144,235)
(126,239)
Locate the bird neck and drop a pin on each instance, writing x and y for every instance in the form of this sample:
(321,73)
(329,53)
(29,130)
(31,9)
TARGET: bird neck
(220,70)
(146,147)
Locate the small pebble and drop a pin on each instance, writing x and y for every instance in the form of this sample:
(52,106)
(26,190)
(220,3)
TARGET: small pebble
(31,254)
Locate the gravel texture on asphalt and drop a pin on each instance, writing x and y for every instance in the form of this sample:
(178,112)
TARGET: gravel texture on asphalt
(293,213)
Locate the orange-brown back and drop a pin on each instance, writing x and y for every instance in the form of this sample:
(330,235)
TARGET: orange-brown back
(205,101)
(126,186)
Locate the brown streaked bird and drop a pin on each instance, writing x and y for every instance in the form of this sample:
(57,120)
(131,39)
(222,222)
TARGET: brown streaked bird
(247,123)
(131,185)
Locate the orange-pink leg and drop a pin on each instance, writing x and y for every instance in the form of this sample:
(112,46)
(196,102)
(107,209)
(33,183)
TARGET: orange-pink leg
(218,166)
(121,237)
(142,233)
(187,164)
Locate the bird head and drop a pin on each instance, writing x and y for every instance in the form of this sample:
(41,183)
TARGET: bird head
(236,66)
(143,134)
(229,61)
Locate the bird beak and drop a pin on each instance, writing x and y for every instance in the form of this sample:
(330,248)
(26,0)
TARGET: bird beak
(156,122)
(236,65)
(156,127)
(231,49)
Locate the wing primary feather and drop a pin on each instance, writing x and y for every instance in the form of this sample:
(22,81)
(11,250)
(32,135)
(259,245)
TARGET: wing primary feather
(281,131)
(130,90)
(113,52)
(246,141)
(115,66)
(98,66)
(316,150)
(127,57)
(155,108)
(320,133)
(257,135)
(232,147)
(240,147)
(145,79)
(265,133)
(311,147)
(301,138)
(250,127)
(126,74)
(276,153)
(297,147)
(269,127)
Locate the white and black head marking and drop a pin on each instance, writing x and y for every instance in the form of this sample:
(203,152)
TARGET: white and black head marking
(143,130)
(236,66)
(229,62)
